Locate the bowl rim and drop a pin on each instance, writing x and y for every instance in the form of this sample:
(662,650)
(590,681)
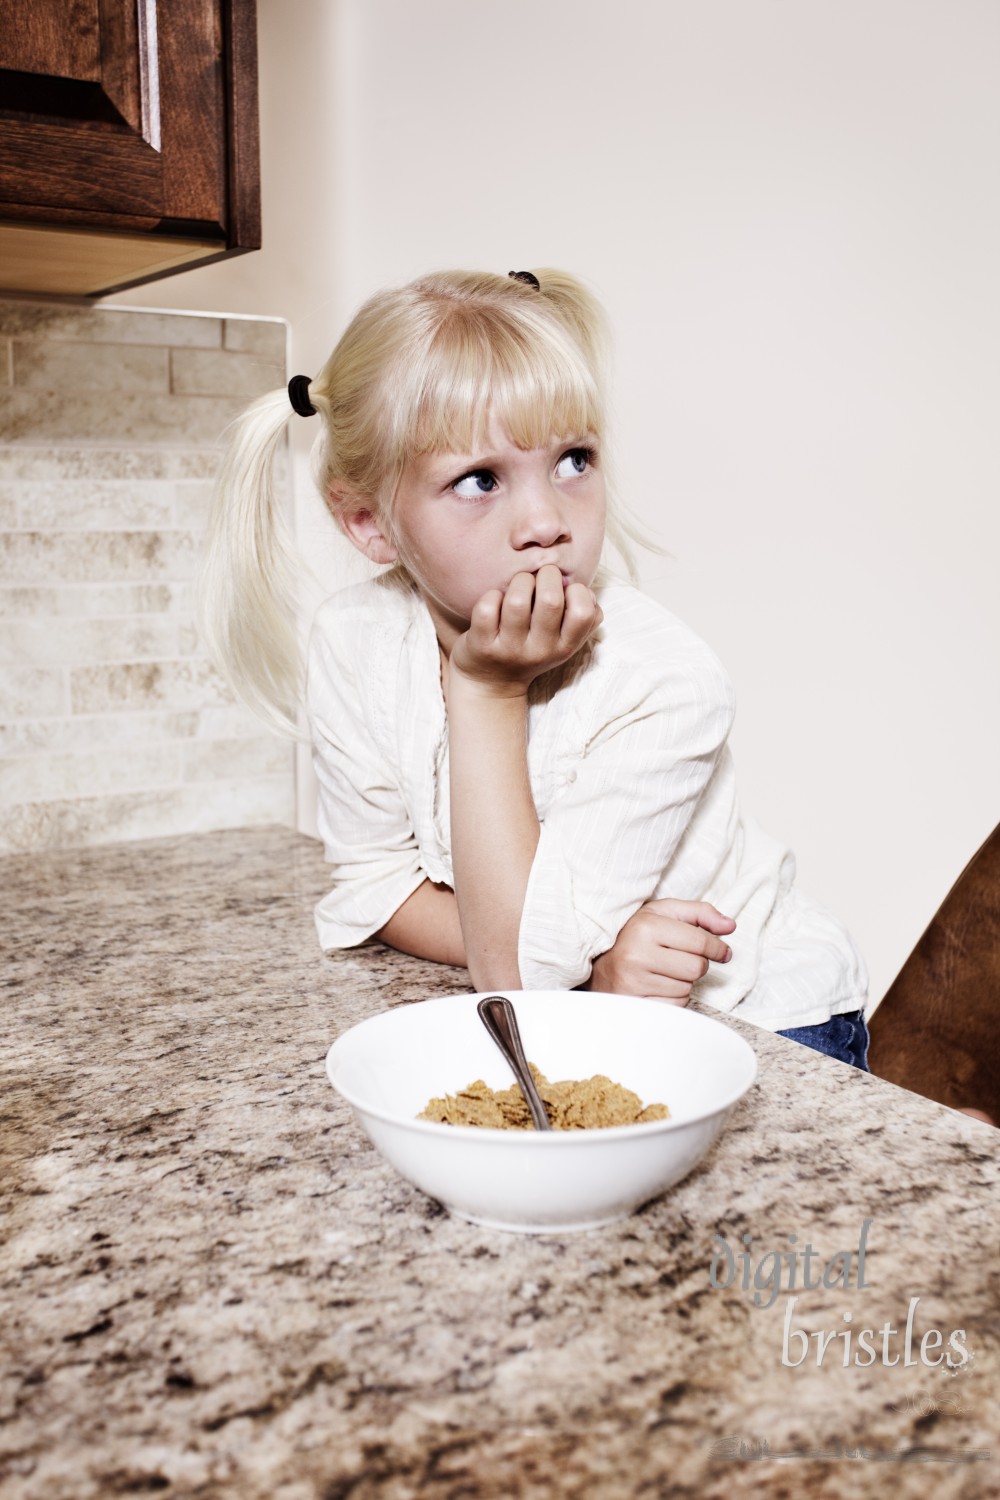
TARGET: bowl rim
(540,1139)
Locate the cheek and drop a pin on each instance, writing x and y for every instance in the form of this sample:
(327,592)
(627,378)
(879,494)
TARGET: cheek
(414,538)
(434,557)
(598,524)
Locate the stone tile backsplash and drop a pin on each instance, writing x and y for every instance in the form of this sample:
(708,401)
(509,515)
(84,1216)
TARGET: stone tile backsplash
(113,725)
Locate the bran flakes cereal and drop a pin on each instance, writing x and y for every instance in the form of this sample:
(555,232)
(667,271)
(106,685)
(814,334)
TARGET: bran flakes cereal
(587,1104)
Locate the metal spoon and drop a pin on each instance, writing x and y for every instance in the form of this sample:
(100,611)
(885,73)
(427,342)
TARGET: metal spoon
(497,1015)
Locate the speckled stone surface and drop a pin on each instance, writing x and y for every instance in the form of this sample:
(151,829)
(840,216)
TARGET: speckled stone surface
(213,1286)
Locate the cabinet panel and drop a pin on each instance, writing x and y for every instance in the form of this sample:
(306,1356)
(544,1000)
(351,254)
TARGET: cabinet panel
(191,77)
(94,66)
(51,37)
(49,164)
(138,115)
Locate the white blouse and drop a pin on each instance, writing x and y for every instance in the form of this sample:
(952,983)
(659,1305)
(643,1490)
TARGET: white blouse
(633,783)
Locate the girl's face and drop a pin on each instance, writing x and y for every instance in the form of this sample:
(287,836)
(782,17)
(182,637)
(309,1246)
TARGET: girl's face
(466,523)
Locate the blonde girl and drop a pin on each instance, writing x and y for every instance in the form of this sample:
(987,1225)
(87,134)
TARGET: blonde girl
(523,764)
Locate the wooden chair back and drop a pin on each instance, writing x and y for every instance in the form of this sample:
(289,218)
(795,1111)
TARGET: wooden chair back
(937,1032)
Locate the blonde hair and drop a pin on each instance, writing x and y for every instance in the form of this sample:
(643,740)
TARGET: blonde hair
(419,369)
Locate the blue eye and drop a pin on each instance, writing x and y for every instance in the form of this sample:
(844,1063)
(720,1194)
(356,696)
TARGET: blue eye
(473,486)
(576,461)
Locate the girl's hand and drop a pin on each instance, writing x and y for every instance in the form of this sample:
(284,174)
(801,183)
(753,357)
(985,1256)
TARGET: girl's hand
(514,637)
(663,950)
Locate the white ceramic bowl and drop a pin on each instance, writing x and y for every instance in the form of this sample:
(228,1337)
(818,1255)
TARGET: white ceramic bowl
(388,1068)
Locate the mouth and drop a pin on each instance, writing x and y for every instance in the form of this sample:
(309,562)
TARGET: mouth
(567,578)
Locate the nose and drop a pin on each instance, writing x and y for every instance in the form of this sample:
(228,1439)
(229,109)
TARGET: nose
(539,518)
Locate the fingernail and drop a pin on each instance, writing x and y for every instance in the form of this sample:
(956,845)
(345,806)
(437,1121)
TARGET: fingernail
(729,954)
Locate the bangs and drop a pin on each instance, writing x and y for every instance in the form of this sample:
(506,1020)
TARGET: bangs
(485,365)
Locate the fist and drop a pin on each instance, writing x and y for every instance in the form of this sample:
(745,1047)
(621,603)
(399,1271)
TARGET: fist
(515,636)
(663,950)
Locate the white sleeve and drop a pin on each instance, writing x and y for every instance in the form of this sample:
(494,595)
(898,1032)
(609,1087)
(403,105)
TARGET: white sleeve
(361,816)
(611,833)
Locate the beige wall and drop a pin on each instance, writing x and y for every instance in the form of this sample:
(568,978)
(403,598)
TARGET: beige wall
(785,206)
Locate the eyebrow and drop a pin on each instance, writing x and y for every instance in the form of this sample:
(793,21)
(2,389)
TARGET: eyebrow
(450,465)
(457,463)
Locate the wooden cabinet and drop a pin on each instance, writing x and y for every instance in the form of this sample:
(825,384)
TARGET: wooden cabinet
(128,140)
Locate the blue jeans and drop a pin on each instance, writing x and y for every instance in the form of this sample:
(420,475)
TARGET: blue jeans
(844,1037)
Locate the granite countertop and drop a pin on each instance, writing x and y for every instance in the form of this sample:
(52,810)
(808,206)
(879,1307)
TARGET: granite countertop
(213,1286)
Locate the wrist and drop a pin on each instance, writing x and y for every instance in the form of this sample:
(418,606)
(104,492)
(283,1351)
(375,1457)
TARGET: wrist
(464,687)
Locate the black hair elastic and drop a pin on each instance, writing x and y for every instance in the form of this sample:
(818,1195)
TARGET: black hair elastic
(528,277)
(298,395)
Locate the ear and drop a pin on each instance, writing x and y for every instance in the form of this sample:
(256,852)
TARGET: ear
(363,529)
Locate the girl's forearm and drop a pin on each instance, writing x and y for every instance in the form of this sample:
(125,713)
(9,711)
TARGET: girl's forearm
(514,636)
(494,826)
(427,926)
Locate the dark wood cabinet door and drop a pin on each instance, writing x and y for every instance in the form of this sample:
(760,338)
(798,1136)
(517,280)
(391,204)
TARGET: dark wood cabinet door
(134,117)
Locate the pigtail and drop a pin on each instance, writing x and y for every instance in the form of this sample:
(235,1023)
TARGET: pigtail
(251,573)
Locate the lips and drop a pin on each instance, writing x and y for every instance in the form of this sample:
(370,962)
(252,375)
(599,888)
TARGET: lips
(566,577)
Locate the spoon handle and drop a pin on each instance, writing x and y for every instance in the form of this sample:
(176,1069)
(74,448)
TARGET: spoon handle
(497,1015)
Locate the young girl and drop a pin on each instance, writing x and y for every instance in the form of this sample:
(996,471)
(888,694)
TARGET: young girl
(523,764)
